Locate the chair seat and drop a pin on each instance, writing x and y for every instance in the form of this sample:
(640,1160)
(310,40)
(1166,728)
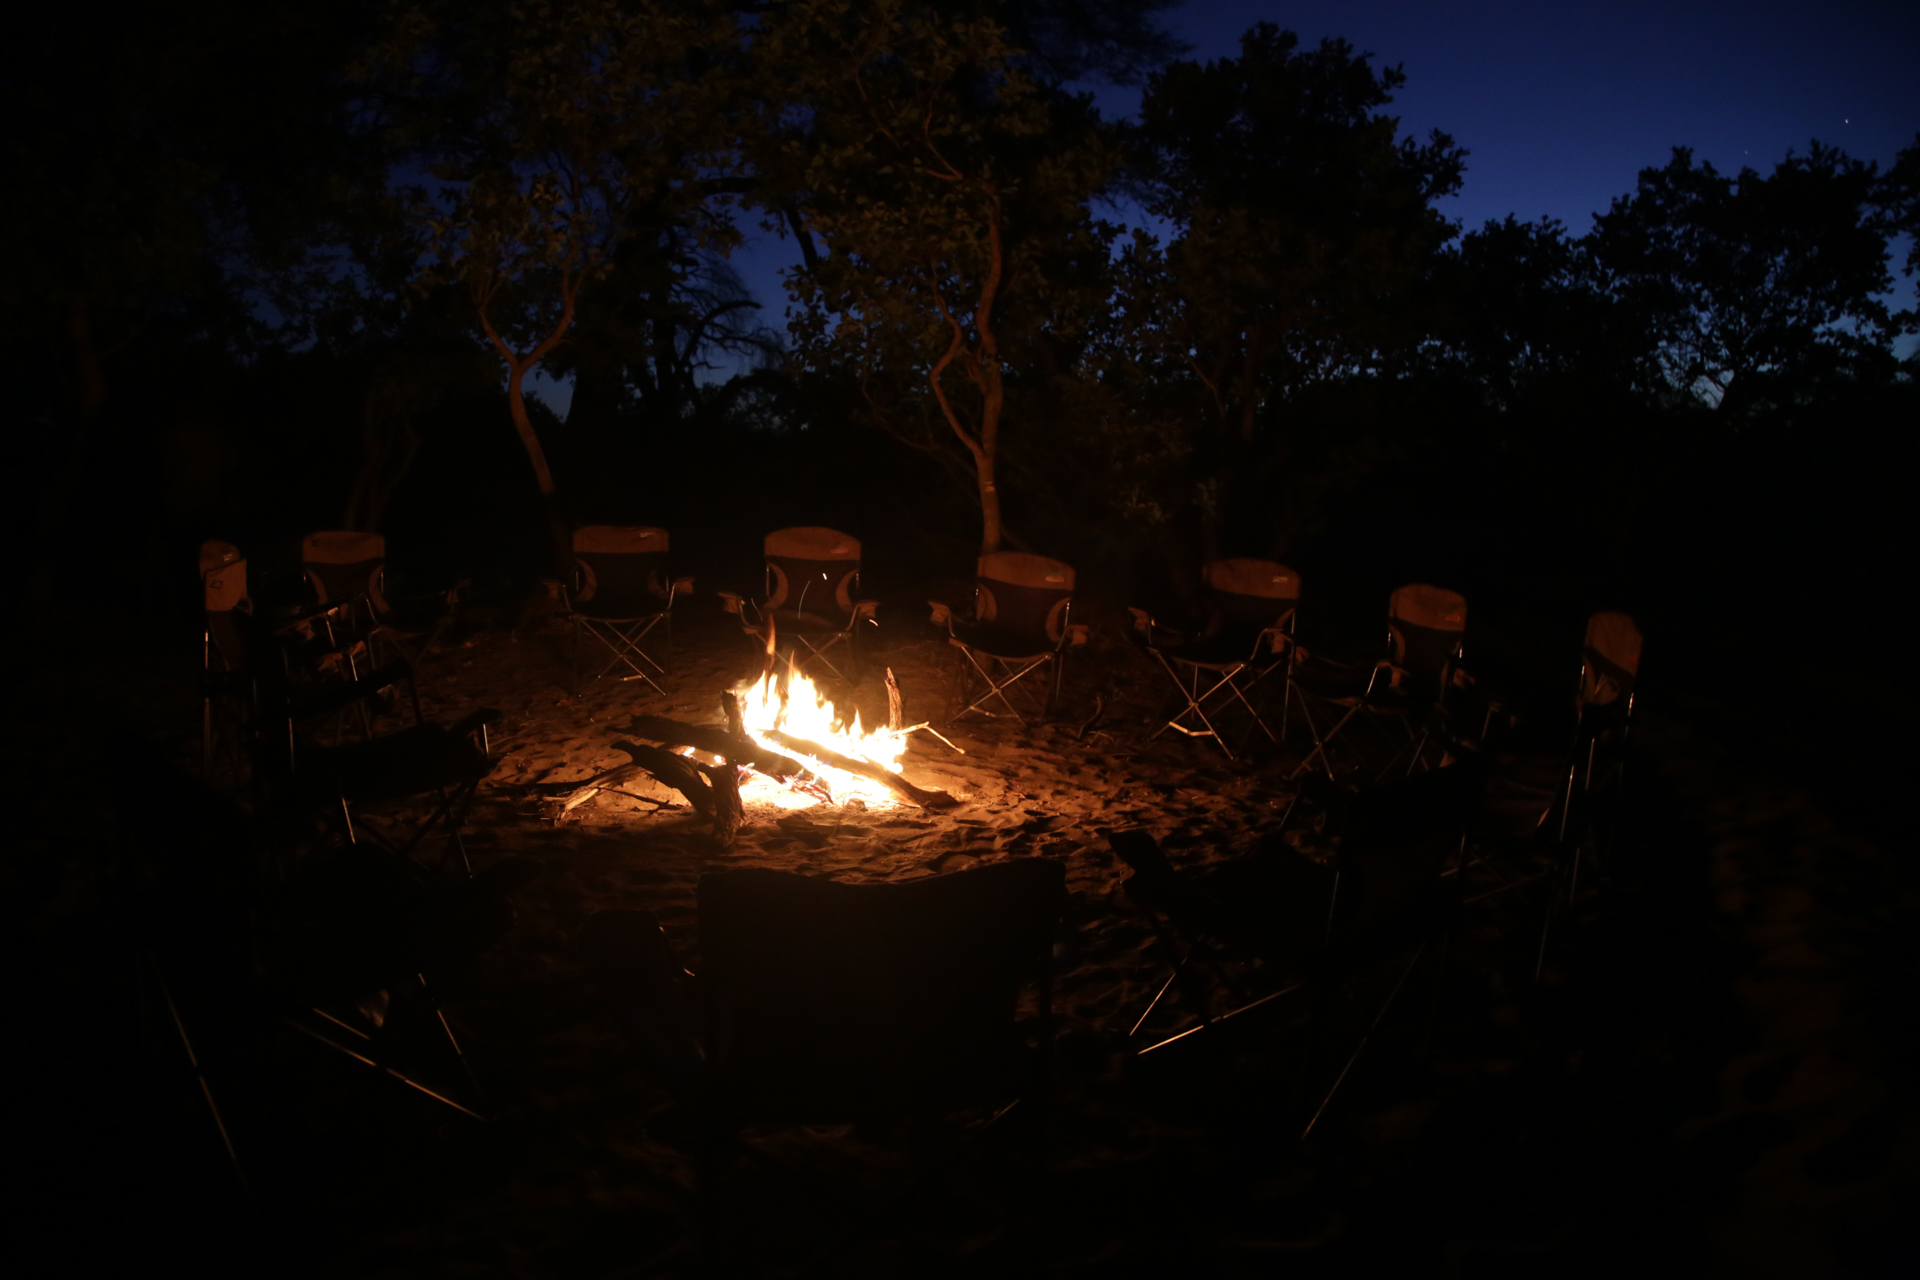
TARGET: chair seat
(792,620)
(1012,646)
(627,610)
(407,763)
(1218,653)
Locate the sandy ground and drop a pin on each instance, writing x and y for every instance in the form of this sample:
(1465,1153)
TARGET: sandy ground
(1714,1075)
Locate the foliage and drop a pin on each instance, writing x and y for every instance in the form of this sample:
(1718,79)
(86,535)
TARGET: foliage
(1302,229)
(951,195)
(1752,285)
(564,133)
(1522,311)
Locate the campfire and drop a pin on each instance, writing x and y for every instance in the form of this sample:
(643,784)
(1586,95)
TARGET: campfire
(784,744)
(790,721)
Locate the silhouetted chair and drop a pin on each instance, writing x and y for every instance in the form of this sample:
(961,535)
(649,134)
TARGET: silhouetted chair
(226,697)
(1426,627)
(267,692)
(830,1003)
(1021,624)
(440,765)
(1386,893)
(1596,768)
(1244,638)
(350,952)
(620,595)
(347,572)
(812,599)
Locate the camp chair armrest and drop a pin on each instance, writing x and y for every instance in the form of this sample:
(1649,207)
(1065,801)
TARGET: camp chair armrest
(864,609)
(1076,634)
(558,590)
(1277,640)
(1462,679)
(942,614)
(682,586)
(1149,631)
(731,602)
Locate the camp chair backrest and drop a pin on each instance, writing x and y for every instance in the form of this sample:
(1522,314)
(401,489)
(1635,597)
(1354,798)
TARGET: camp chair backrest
(621,565)
(812,568)
(1025,594)
(223,577)
(1611,659)
(1250,593)
(1427,625)
(223,580)
(341,564)
(843,994)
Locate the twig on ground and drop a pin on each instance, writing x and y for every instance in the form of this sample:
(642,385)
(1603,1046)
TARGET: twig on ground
(927,727)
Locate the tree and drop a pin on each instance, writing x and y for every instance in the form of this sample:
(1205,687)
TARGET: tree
(1302,230)
(949,194)
(1749,281)
(1899,200)
(564,134)
(1523,308)
(158,177)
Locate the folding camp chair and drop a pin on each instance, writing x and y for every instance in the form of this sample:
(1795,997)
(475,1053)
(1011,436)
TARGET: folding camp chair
(1596,767)
(226,697)
(621,592)
(1387,894)
(830,1003)
(812,576)
(1609,667)
(1020,624)
(266,691)
(1246,637)
(349,952)
(347,572)
(1426,626)
(441,765)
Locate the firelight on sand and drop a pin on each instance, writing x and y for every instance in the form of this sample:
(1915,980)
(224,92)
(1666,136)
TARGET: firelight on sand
(806,713)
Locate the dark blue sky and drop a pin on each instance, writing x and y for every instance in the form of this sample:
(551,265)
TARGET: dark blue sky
(1561,106)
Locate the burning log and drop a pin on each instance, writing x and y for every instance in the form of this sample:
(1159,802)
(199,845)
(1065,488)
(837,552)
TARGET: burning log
(720,742)
(866,769)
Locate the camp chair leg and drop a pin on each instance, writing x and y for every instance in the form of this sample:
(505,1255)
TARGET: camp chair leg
(1196,1029)
(996,689)
(199,1072)
(1153,1004)
(1362,1046)
(428,994)
(1333,900)
(1320,742)
(396,1073)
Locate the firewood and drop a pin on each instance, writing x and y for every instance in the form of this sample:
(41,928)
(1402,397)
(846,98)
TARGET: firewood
(866,769)
(712,738)
(895,716)
(655,762)
(675,771)
(728,812)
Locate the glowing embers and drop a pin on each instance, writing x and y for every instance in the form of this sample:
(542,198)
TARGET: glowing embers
(797,710)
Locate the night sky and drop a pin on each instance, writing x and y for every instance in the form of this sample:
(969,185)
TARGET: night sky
(1561,106)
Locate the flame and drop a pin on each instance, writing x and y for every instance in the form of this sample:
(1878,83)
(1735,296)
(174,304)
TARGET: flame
(807,713)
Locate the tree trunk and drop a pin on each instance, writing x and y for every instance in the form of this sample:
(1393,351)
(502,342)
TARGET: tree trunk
(557,535)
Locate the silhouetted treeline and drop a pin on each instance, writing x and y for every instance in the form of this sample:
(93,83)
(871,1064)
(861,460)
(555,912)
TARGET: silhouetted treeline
(290,269)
